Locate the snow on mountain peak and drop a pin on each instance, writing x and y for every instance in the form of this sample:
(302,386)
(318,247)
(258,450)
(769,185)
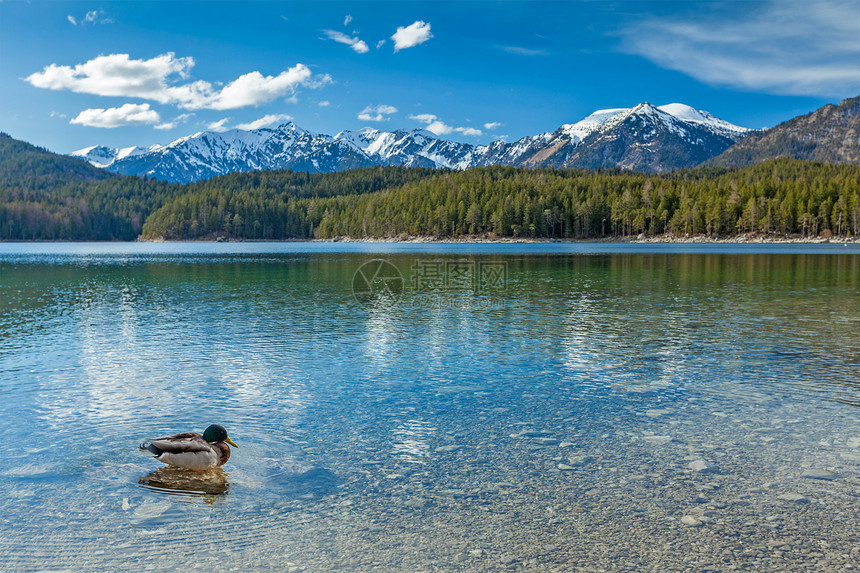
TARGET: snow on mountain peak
(287,146)
(583,128)
(693,115)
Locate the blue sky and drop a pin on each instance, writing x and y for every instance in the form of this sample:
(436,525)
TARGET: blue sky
(83,73)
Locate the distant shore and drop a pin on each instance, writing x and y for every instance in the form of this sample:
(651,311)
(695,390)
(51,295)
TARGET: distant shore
(748,238)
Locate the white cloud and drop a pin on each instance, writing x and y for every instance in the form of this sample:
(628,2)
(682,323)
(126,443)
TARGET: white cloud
(218,125)
(799,47)
(471,131)
(424,117)
(176,121)
(128,114)
(439,127)
(318,81)
(492,125)
(254,88)
(324,103)
(118,75)
(268,119)
(91,17)
(416,33)
(380,43)
(347,20)
(376,113)
(357,45)
(520,51)
(57,114)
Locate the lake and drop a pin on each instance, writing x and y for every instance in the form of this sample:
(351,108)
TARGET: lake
(432,407)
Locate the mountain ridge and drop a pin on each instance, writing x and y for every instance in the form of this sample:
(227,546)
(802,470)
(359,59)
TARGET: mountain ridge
(830,134)
(654,139)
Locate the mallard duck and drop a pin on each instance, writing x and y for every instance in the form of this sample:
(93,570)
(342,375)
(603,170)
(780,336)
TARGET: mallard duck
(190,450)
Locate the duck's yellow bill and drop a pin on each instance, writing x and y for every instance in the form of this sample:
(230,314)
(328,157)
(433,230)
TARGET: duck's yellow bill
(231,442)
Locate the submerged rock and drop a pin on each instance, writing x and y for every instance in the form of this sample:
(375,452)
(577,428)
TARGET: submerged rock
(820,474)
(703,467)
(657,440)
(690,521)
(796,497)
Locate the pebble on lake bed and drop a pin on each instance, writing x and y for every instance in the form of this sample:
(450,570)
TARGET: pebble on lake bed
(796,497)
(658,440)
(820,474)
(703,467)
(657,412)
(690,521)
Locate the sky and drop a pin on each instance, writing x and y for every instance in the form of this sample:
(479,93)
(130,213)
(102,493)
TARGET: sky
(81,73)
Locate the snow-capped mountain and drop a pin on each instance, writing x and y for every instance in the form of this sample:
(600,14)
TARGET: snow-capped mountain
(644,137)
(206,154)
(101,156)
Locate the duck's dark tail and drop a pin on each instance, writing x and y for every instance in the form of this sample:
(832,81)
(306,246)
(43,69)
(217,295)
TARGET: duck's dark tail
(148,447)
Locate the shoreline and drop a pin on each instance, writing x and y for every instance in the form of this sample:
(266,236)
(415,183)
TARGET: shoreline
(658,239)
(748,238)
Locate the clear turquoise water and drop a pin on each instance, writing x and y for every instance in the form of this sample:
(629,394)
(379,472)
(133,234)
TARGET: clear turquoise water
(567,415)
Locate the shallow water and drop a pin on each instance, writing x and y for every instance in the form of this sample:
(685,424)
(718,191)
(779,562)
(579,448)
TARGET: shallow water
(450,407)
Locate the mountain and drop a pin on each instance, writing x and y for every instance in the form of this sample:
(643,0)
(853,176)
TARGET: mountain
(643,138)
(48,196)
(27,166)
(205,155)
(830,134)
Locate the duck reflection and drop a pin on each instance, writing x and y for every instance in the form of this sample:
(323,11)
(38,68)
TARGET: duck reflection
(171,480)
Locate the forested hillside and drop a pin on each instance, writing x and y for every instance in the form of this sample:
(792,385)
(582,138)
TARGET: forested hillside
(44,196)
(781,196)
(830,134)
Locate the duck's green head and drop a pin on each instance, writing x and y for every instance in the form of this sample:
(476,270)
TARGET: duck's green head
(216,433)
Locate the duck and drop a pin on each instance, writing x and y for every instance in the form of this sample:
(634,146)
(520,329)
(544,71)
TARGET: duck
(190,450)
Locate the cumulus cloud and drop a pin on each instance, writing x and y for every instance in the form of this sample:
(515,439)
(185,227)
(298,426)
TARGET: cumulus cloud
(471,131)
(412,35)
(128,114)
(324,103)
(439,127)
(424,117)
(156,79)
(492,125)
(376,113)
(380,43)
(254,88)
(798,47)
(357,45)
(268,119)
(219,125)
